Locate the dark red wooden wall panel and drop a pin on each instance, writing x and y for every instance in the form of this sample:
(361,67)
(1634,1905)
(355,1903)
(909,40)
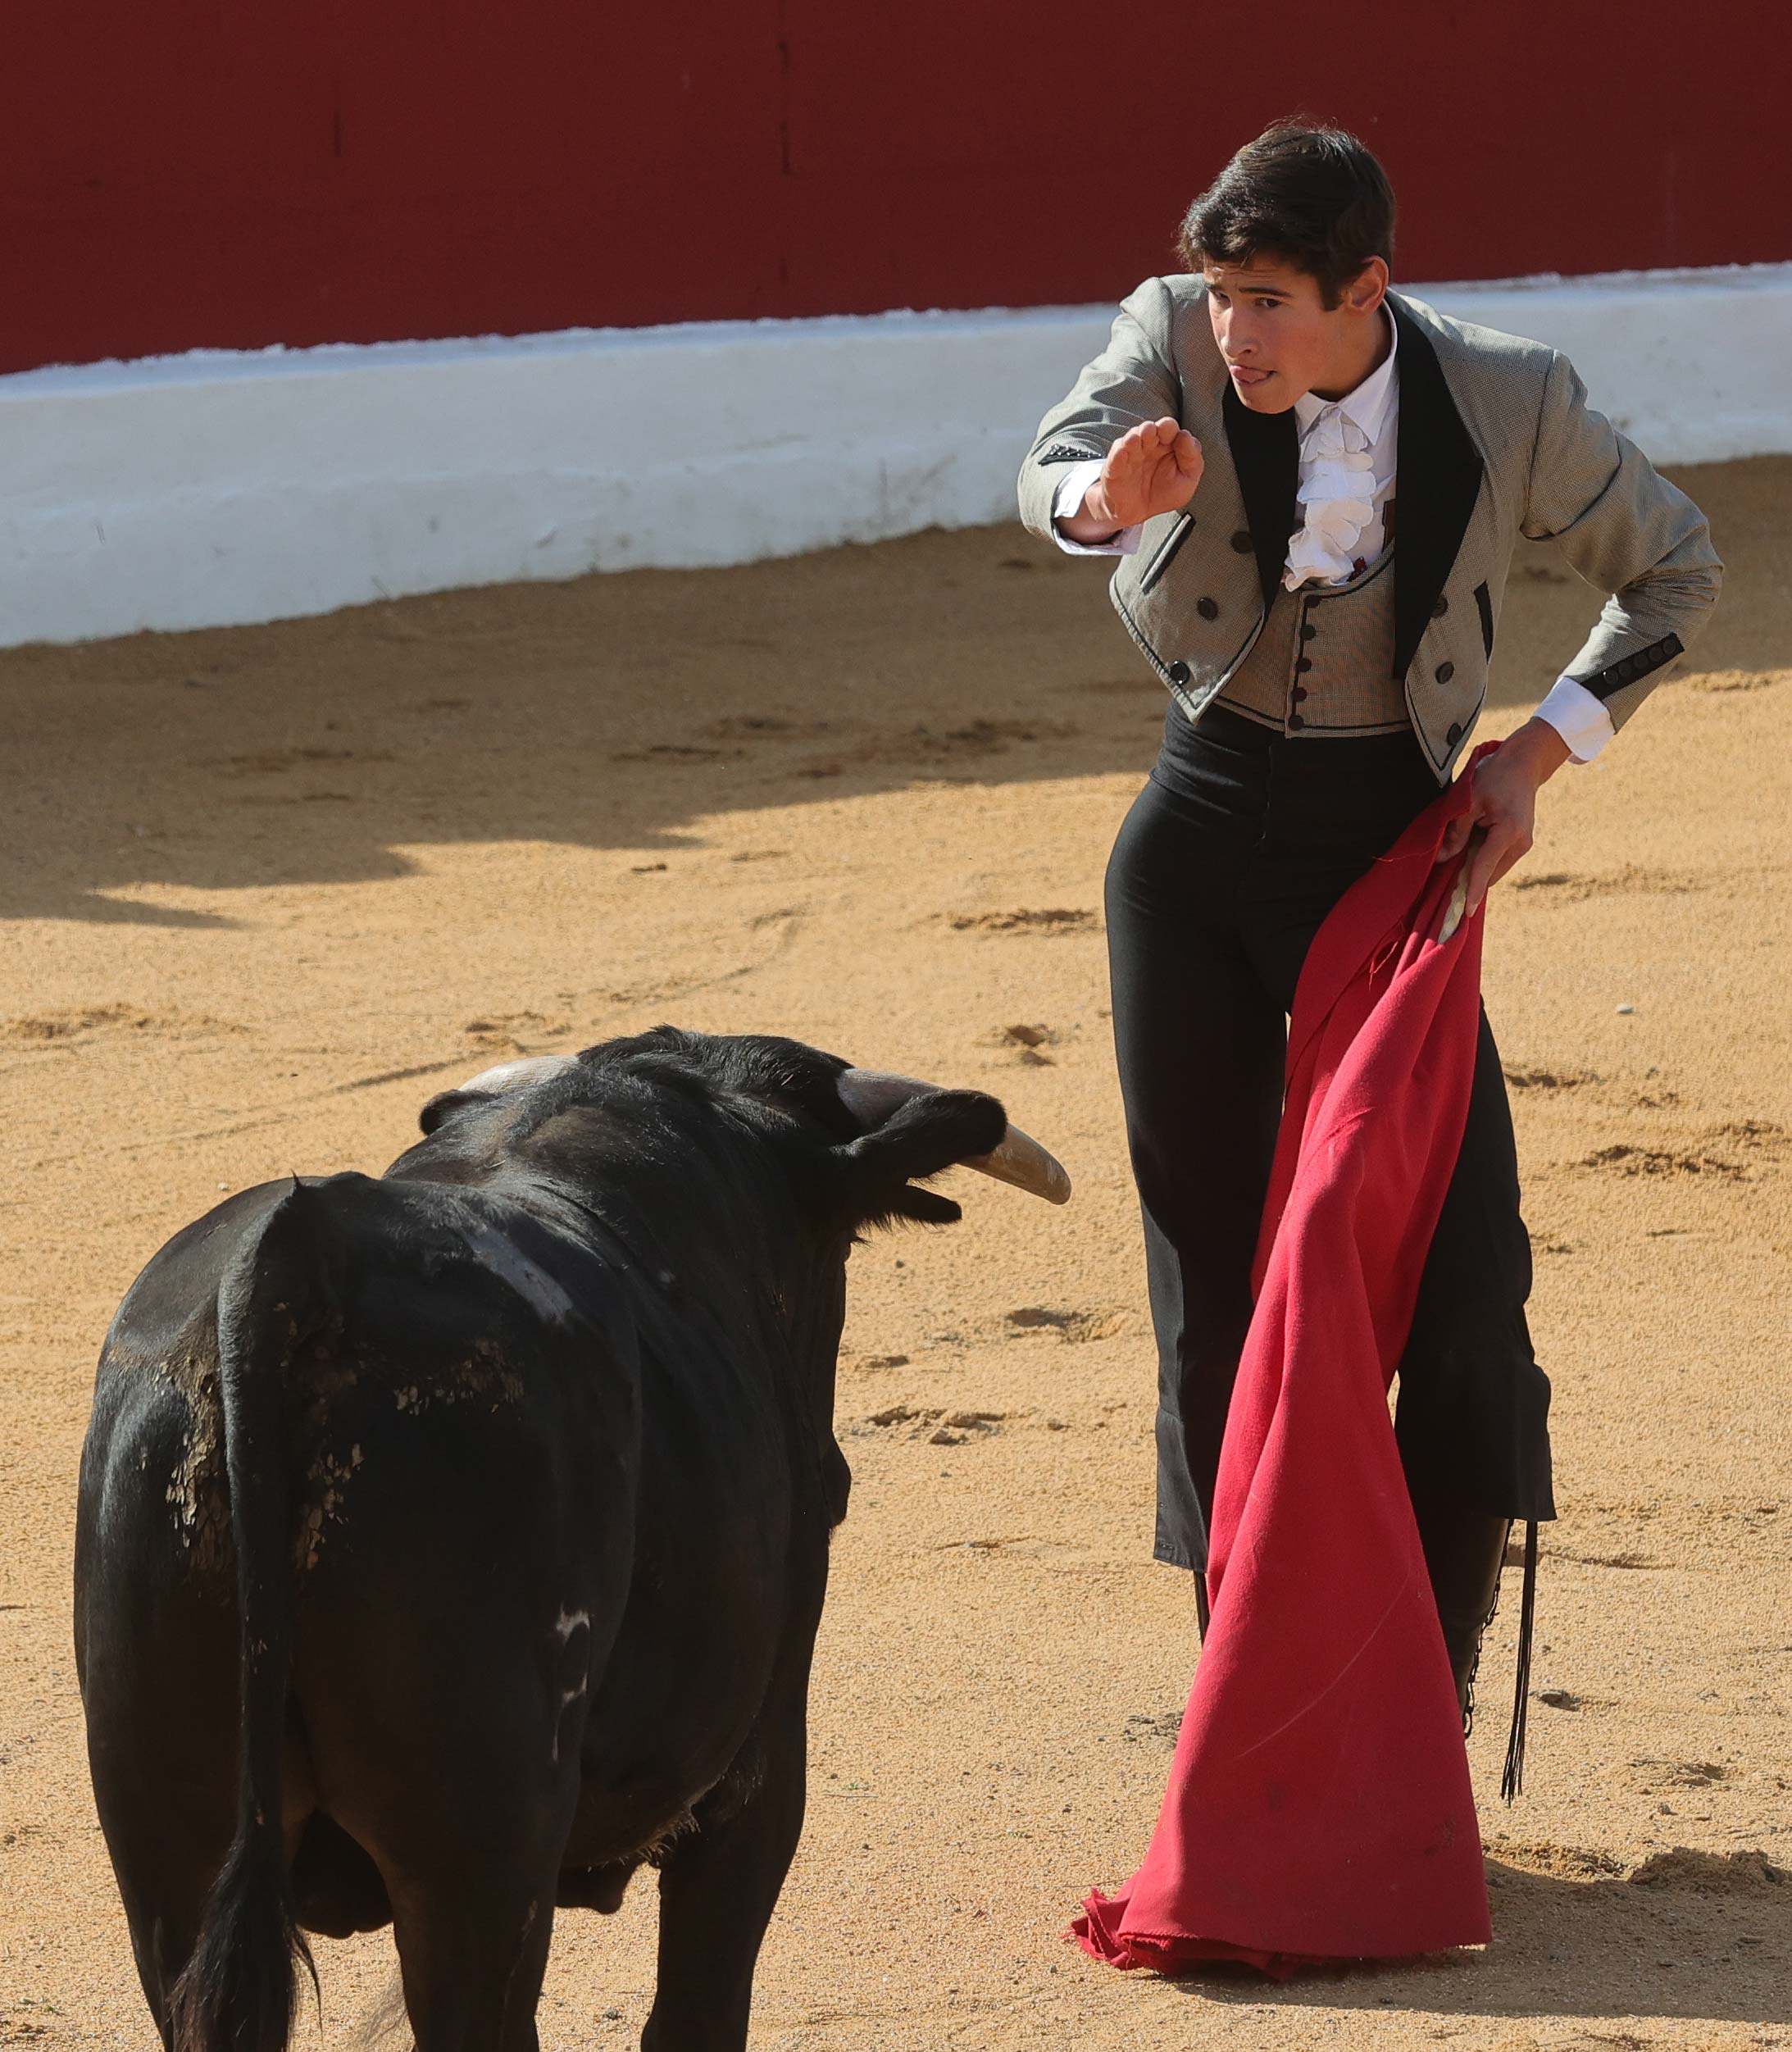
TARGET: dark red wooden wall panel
(253,172)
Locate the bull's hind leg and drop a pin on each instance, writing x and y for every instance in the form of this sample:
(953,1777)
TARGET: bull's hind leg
(442,1747)
(467,1837)
(164,1929)
(466,1818)
(718,1888)
(472,1950)
(158,1666)
(168,1821)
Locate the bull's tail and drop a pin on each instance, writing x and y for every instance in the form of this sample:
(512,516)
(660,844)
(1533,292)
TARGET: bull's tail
(237,1991)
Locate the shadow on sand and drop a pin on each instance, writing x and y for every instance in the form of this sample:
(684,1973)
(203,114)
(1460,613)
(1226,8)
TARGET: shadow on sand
(1686,1934)
(615,710)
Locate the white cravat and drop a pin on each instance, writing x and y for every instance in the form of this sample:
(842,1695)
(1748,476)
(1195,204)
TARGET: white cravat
(1347,465)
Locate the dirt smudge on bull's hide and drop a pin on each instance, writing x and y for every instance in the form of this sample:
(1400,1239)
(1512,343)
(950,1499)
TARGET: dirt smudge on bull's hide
(317,1378)
(321,1435)
(326,1484)
(481,1372)
(199,1488)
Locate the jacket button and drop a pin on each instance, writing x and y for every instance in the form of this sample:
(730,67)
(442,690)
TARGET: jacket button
(1441,608)
(1297,692)
(1455,733)
(1241,542)
(1304,662)
(1445,672)
(1294,720)
(1207,608)
(1178,673)
(1308,632)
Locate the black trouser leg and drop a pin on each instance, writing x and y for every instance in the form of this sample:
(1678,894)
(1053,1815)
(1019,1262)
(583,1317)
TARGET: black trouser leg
(1200,1048)
(1474,1405)
(1465,1549)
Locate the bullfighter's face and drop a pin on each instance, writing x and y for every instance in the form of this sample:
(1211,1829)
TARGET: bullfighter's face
(1280,339)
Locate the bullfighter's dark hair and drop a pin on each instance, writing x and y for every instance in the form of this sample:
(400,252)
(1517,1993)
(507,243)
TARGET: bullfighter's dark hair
(1314,197)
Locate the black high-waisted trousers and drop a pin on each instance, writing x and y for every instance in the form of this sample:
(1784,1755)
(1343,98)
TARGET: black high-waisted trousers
(1226,866)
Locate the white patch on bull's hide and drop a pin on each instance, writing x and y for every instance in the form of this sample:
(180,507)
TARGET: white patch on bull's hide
(514,1076)
(565,1624)
(510,1264)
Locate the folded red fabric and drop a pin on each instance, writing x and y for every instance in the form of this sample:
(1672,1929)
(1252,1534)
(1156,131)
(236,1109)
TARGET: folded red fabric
(1319,1806)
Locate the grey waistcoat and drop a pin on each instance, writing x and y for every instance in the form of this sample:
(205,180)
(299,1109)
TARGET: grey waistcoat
(1324,661)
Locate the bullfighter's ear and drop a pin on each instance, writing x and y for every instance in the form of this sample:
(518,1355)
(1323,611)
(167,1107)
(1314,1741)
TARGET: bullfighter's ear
(445,1104)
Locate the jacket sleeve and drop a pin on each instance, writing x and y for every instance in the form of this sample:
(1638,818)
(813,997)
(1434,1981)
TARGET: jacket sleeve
(1133,379)
(1629,533)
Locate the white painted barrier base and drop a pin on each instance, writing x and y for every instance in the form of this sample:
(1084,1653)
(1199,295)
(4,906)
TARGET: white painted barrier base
(216,488)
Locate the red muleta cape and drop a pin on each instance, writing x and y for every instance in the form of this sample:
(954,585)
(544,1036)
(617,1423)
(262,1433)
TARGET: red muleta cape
(1319,1806)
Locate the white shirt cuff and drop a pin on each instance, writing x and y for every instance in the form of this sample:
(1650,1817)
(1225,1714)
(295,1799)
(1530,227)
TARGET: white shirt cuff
(1065,501)
(1580,718)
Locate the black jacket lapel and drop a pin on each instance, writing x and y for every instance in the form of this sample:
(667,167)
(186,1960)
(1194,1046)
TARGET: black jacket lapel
(1435,487)
(1266,455)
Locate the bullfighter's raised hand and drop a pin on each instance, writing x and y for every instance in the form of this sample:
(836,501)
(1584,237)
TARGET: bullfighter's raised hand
(1154,468)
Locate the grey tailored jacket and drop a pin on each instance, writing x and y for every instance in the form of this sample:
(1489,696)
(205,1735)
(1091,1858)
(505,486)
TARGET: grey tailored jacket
(1495,440)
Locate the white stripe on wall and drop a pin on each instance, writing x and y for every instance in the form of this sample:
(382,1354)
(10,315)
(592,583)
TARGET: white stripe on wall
(217,487)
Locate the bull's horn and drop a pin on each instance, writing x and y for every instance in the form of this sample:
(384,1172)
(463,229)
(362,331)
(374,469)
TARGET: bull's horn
(873,1095)
(514,1076)
(1021,1161)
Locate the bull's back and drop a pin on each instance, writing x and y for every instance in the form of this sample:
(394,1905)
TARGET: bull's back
(467,1429)
(454,1411)
(498,1502)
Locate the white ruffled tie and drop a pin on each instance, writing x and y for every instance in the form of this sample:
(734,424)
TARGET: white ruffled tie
(1337,500)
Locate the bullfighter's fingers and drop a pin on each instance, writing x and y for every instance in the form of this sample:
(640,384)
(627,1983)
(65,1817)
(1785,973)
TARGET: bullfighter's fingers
(1456,836)
(1483,864)
(1516,852)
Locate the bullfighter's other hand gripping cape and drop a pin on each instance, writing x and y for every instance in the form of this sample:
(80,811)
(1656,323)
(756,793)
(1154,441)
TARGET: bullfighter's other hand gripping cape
(1319,1805)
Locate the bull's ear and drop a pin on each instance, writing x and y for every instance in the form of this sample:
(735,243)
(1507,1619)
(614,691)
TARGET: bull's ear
(931,1132)
(445,1104)
(874,1097)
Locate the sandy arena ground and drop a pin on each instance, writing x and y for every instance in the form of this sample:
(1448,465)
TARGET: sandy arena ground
(266,889)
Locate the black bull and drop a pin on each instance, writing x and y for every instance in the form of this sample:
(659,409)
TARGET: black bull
(451,1544)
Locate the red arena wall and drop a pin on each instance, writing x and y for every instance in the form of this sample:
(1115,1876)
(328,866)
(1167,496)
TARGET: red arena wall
(237,175)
